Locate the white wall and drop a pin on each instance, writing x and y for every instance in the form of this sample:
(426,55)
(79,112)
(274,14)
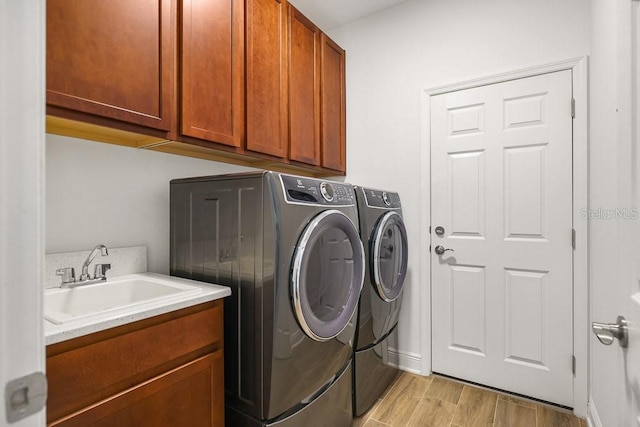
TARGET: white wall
(421,44)
(117,196)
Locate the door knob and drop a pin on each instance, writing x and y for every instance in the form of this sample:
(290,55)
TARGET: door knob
(607,332)
(441,250)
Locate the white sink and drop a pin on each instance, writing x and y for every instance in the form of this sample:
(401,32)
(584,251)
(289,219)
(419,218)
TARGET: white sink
(115,295)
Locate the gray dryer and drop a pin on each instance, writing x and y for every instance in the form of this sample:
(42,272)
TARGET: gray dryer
(290,250)
(385,241)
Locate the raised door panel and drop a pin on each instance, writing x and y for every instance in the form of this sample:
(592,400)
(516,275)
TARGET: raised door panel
(212,60)
(527,318)
(333,105)
(190,395)
(112,59)
(466,303)
(467,193)
(266,78)
(304,88)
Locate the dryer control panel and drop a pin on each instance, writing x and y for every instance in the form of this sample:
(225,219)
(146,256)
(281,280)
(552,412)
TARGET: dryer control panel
(382,199)
(316,191)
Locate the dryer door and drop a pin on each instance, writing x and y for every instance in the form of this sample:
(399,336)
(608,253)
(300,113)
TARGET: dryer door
(389,253)
(327,275)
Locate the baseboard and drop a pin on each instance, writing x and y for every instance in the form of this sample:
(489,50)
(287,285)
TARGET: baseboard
(592,415)
(410,362)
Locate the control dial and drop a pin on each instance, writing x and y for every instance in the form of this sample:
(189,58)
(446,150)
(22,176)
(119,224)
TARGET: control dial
(385,198)
(326,190)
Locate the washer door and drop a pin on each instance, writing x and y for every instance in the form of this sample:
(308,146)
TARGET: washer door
(389,254)
(327,275)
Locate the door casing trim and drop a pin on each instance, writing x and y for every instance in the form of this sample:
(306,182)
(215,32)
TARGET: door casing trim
(580,188)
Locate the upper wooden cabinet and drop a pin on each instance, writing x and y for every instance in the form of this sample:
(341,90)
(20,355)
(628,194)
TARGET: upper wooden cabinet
(316,95)
(212,77)
(304,88)
(112,59)
(316,79)
(333,102)
(266,77)
(251,82)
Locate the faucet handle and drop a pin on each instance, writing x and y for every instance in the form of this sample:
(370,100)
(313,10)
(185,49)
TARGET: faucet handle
(68,274)
(100,271)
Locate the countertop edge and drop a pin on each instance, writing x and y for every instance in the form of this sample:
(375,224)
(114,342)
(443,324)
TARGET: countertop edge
(58,333)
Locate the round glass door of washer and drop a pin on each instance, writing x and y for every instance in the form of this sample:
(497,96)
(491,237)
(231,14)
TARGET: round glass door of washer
(389,256)
(327,275)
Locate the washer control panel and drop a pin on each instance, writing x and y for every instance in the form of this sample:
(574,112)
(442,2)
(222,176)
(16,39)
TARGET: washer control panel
(382,199)
(326,189)
(310,190)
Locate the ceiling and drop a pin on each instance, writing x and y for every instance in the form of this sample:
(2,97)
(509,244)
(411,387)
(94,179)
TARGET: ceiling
(328,14)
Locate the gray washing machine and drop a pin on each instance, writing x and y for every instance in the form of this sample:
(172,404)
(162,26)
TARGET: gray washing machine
(385,240)
(290,250)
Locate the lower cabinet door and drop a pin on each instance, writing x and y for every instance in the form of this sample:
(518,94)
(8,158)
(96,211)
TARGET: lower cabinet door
(189,395)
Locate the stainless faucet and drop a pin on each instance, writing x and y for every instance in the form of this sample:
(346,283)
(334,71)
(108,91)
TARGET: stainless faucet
(69,276)
(94,253)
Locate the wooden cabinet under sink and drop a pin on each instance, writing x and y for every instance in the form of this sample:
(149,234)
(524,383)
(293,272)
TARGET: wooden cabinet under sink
(162,371)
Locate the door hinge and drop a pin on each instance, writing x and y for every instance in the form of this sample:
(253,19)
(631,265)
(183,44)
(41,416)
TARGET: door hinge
(429,229)
(429,248)
(25,396)
(573,364)
(573,108)
(573,238)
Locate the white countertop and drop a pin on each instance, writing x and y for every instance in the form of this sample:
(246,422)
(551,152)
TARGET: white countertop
(56,333)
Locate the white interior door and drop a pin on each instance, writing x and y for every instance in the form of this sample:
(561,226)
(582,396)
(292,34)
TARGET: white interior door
(501,186)
(617,369)
(628,284)
(22,101)
(631,289)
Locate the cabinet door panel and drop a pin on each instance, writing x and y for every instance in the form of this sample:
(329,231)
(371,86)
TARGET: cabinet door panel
(266,79)
(87,369)
(304,89)
(213,70)
(190,395)
(112,59)
(333,114)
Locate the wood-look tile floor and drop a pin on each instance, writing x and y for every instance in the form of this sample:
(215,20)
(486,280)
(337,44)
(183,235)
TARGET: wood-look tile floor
(413,400)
